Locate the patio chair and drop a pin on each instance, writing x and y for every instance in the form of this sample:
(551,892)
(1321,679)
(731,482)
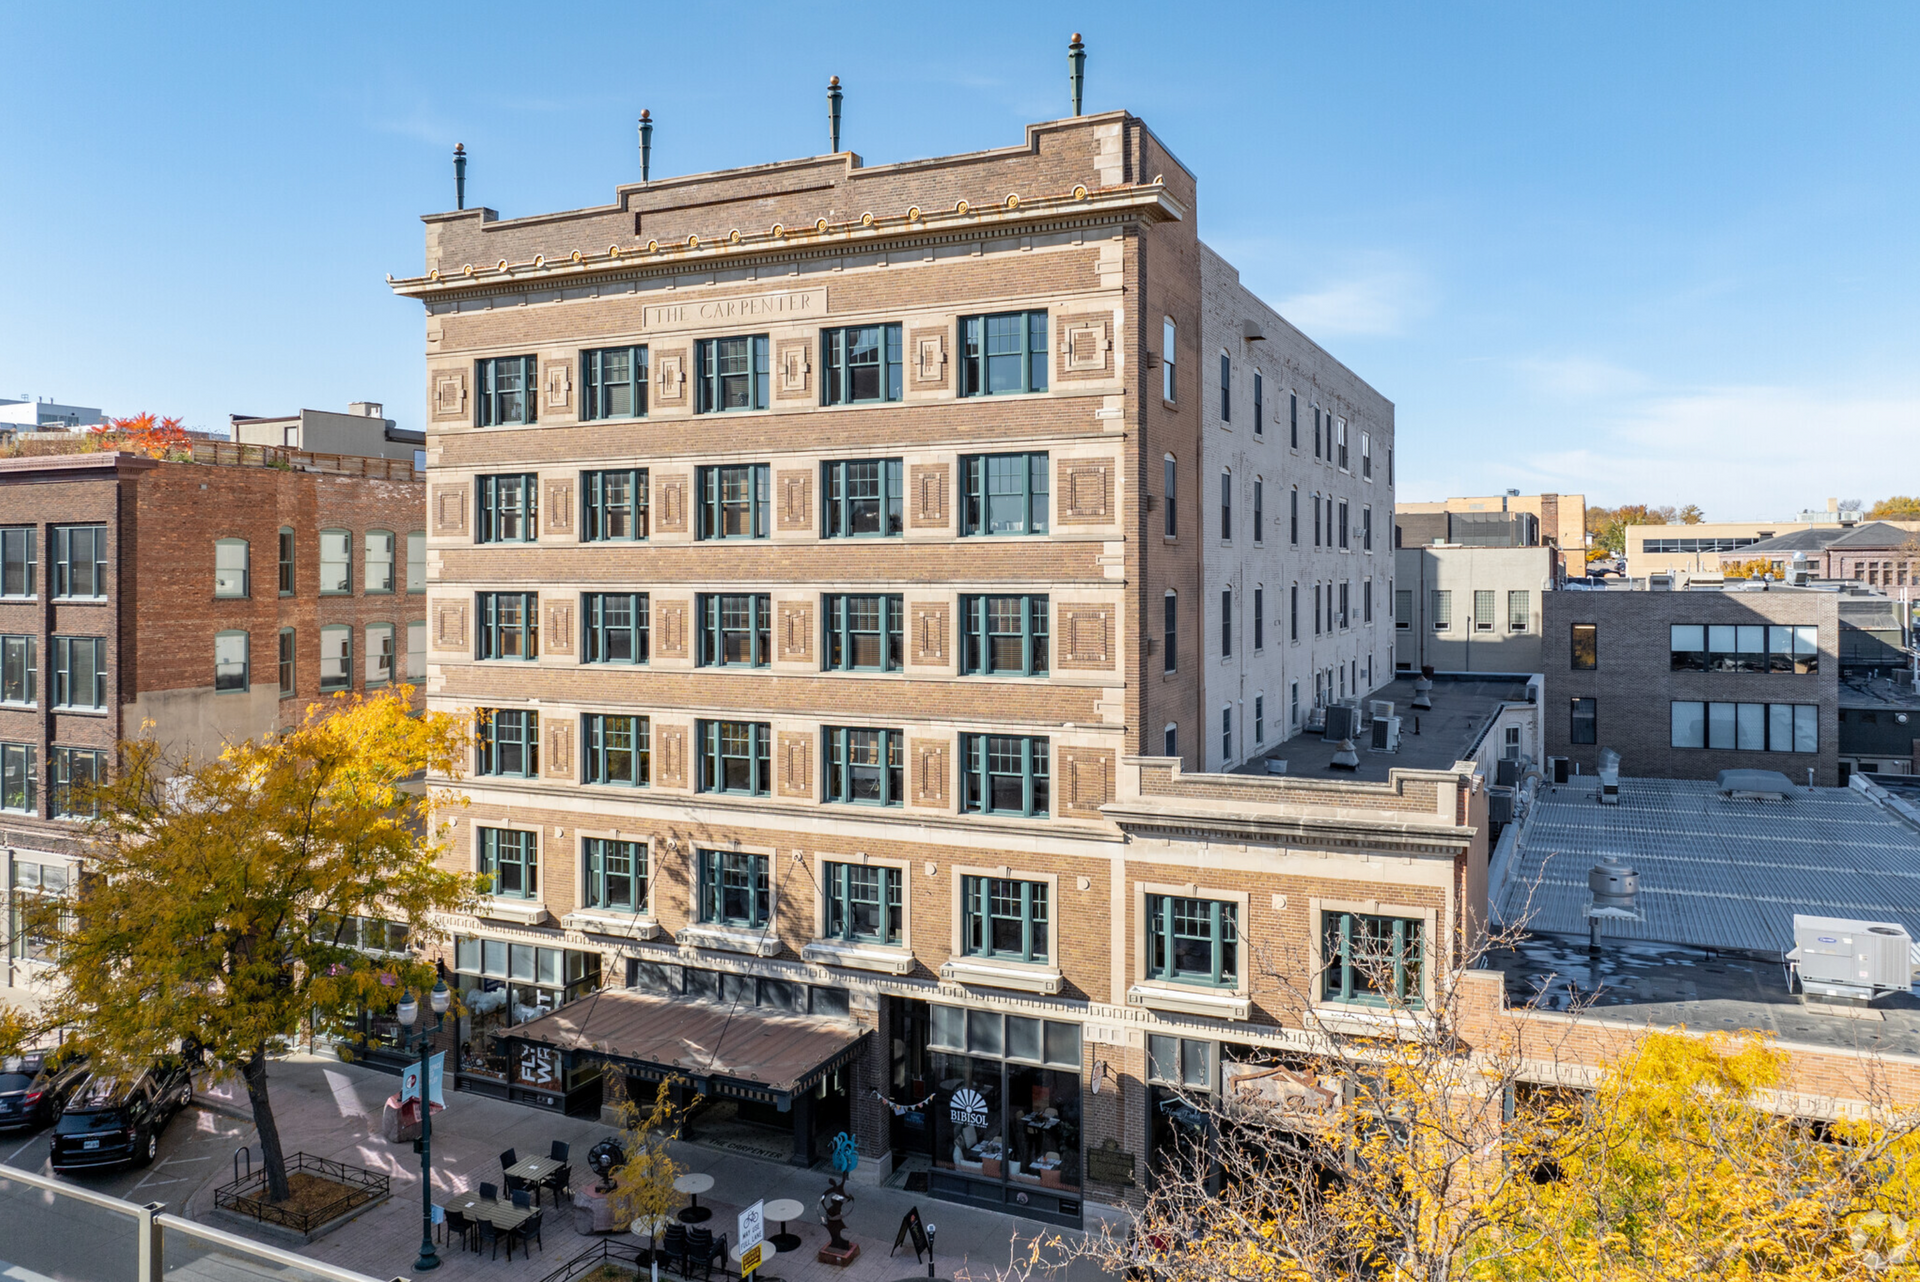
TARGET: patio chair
(490,1192)
(561,1181)
(522,1199)
(458,1225)
(491,1236)
(559,1151)
(512,1182)
(529,1229)
(703,1248)
(673,1245)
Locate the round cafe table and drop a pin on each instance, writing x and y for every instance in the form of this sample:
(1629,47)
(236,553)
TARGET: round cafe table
(650,1230)
(693,1186)
(782,1210)
(767,1251)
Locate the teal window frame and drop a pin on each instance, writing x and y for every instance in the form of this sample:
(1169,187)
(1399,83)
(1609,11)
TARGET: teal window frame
(864,904)
(1398,951)
(511,856)
(1003,353)
(993,767)
(80,672)
(80,562)
(610,865)
(336,563)
(990,625)
(67,772)
(286,562)
(377,569)
(507,743)
(993,486)
(381,650)
(506,391)
(731,619)
(416,561)
(1193,941)
(338,677)
(615,754)
(19,566)
(742,746)
(1016,907)
(509,626)
(285,662)
(853,354)
(232,582)
(600,510)
(736,888)
(874,761)
(601,383)
(725,511)
(20,670)
(603,632)
(853,488)
(507,508)
(848,617)
(19,778)
(226,680)
(731,374)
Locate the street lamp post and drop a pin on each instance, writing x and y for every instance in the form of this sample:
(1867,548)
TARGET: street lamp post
(408,1012)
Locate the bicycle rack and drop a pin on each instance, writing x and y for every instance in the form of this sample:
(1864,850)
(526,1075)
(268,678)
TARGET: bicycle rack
(245,1151)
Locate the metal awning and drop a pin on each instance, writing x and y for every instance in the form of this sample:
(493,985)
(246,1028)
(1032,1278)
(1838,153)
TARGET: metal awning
(722,1051)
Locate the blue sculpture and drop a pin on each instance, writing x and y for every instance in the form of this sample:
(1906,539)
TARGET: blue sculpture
(846,1156)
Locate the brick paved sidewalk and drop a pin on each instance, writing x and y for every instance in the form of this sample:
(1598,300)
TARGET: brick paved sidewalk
(333,1110)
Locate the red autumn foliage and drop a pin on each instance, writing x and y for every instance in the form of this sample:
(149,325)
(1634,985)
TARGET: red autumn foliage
(144,434)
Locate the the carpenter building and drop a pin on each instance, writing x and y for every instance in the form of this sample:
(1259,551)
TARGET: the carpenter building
(853,569)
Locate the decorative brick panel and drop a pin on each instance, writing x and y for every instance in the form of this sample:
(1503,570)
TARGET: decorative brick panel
(450,625)
(1086,776)
(1086,491)
(795,764)
(557,514)
(450,509)
(670,377)
(450,394)
(669,500)
(930,773)
(1085,636)
(557,733)
(670,756)
(929,640)
(1083,346)
(795,490)
(796,630)
(927,357)
(557,635)
(929,496)
(793,370)
(556,380)
(670,628)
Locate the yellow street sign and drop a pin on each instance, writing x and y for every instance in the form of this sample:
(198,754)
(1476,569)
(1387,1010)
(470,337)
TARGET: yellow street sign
(750,1259)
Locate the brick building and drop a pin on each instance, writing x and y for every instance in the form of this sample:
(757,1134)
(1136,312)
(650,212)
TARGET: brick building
(215,598)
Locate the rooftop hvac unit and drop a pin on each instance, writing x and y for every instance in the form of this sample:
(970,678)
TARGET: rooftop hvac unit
(1342,723)
(1659,583)
(1380,708)
(1851,960)
(1506,772)
(1609,794)
(1386,734)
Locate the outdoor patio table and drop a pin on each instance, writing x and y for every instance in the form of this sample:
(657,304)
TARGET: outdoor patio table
(533,1169)
(781,1210)
(767,1251)
(500,1212)
(693,1186)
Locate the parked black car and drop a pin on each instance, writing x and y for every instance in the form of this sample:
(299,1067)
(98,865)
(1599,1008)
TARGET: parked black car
(114,1121)
(34,1087)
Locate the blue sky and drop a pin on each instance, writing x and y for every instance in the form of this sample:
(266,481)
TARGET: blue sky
(1659,253)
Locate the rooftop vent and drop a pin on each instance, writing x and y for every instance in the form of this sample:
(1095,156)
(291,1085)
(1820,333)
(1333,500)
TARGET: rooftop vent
(1615,885)
(1609,794)
(1754,785)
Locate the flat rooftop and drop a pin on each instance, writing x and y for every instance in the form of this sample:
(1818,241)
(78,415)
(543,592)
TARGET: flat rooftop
(1460,710)
(1715,873)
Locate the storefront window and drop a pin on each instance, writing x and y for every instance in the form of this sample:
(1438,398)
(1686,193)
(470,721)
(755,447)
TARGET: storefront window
(504,983)
(1007,1098)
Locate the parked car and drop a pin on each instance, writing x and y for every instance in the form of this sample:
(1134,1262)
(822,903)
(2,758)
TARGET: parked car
(34,1087)
(117,1120)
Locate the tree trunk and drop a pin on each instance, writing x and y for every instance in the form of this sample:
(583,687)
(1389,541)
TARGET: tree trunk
(271,1157)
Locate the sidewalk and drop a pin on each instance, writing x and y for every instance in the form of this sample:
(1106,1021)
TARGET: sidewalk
(333,1110)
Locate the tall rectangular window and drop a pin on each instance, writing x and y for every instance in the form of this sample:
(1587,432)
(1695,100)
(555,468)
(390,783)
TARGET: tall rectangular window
(1226,622)
(380,646)
(1366,455)
(1317,605)
(76,773)
(1519,610)
(736,630)
(863,903)
(730,374)
(1374,961)
(863,498)
(613,383)
(336,562)
(860,363)
(735,889)
(230,662)
(616,627)
(613,505)
(19,669)
(1293,423)
(79,560)
(618,748)
(1003,353)
(1004,775)
(1584,726)
(378,572)
(19,571)
(1259,405)
(1171,498)
(1585,656)
(734,502)
(286,562)
(1002,917)
(509,508)
(1441,608)
(19,787)
(80,672)
(616,874)
(1366,528)
(1226,388)
(1226,734)
(1293,516)
(505,390)
(509,625)
(1293,612)
(1340,438)
(1004,636)
(230,563)
(284,662)
(1403,610)
(336,657)
(1483,620)
(1259,618)
(511,856)
(1259,509)
(1346,616)
(1170,632)
(1226,506)
(736,756)
(1316,520)
(1259,718)
(417,650)
(1316,431)
(417,561)
(1167,381)
(866,767)
(1193,941)
(508,741)
(1366,601)
(1344,522)
(1004,494)
(865,633)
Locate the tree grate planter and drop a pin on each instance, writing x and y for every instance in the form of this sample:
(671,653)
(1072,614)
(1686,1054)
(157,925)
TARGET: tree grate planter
(325,1193)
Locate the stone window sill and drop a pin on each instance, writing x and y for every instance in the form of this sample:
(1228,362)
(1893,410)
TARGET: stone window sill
(524,912)
(598,921)
(1018,976)
(886,961)
(755,943)
(1176,999)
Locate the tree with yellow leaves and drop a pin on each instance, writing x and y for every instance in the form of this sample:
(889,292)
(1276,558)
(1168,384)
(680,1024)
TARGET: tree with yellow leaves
(643,1192)
(218,900)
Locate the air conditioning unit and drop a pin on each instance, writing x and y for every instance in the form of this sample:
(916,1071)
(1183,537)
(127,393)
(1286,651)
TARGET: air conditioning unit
(1342,722)
(1386,734)
(1851,960)
(1380,708)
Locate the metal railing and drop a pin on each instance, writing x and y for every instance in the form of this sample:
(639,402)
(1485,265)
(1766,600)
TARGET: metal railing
(247,1194)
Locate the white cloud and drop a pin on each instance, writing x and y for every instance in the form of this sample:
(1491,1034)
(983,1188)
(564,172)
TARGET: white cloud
(1580,377)
(1373,303)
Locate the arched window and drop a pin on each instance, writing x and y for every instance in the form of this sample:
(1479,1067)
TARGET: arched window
(1226,622)
(1170,740)
(1173,527)
(230,567)
(336,563)
(379,562)
(1226,388)
(1170,646)
(1167,334)
(1226,503)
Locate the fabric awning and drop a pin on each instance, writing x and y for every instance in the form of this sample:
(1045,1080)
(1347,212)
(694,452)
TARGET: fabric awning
(721,1050)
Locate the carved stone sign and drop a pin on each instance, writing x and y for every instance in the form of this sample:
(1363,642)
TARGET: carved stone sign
(786,305)
(1108,1164)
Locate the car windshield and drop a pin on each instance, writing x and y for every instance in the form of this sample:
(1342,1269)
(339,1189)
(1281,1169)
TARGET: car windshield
(74,1122)
(10,1082)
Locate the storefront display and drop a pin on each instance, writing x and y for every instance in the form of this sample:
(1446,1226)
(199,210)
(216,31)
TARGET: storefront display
(503,984)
